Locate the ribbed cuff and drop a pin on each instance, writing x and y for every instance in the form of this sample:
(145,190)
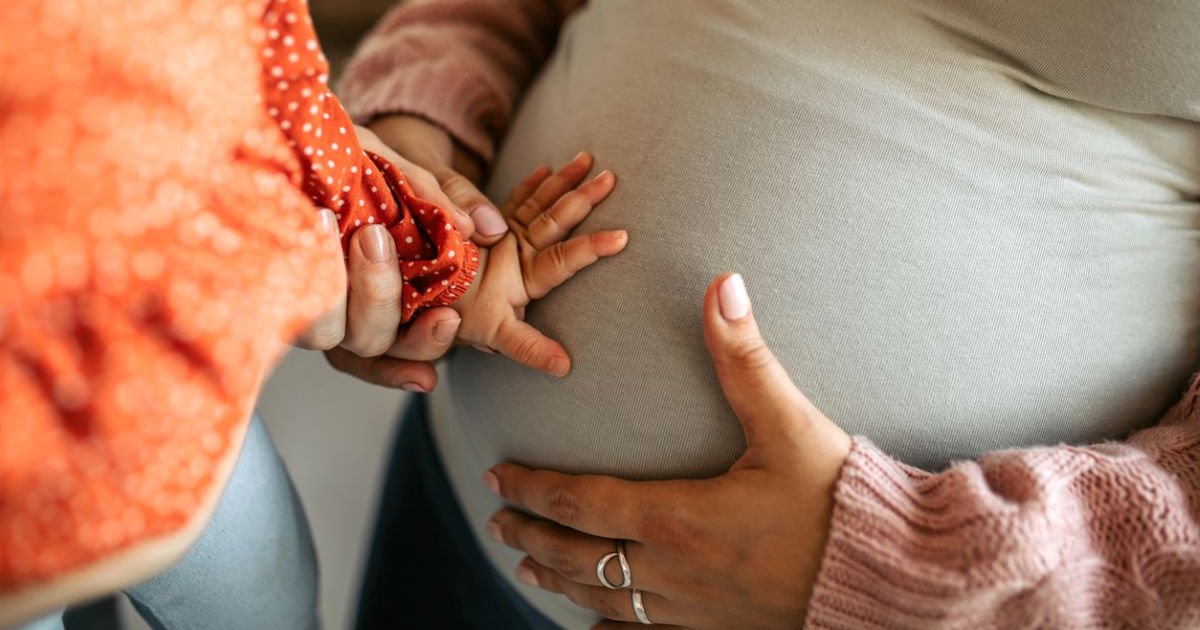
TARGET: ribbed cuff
(871,575)
(461,282)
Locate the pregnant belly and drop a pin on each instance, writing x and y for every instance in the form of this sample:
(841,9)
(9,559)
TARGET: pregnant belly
(947,272)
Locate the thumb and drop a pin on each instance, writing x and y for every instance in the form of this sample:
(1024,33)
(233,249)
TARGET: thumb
(773,412)
(489,224)
(327,331)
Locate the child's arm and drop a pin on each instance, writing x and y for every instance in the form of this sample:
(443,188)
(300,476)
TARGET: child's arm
(535,257)
(328,164)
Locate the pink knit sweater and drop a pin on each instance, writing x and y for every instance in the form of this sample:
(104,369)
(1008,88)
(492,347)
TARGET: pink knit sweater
(1057,537)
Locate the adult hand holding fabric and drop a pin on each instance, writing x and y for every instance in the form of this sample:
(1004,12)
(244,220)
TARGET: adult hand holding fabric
(362,335)
(455,170)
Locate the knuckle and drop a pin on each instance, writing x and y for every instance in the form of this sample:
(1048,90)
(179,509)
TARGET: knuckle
(323,337)
(558,256)
(559,558)
(750,353)
(527,350)
(458,187)
(366,346)
(381,290)
(604,604)
(533,205)
(563,505)
(579,597)
(550,223)
(668,530)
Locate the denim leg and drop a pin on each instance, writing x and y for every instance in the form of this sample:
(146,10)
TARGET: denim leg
(53,621)
(253,567)
(426,571)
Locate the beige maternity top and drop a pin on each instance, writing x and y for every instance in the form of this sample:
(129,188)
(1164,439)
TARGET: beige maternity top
(966,225)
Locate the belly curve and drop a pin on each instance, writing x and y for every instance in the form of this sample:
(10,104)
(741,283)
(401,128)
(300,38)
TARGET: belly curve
(938,284)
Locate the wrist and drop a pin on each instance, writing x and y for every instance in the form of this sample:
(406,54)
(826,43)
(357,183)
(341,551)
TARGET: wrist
(428,145)
(417,139)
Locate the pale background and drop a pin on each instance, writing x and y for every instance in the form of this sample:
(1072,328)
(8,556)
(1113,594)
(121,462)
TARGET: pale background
(333,431)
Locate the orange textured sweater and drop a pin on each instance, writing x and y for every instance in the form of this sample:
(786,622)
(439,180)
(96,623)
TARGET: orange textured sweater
(160,165)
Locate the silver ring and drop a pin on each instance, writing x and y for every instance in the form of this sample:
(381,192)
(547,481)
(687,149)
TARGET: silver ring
(639,610)
(626,571)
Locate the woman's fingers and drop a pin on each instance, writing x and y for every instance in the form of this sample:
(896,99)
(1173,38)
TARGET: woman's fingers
(413,376)
(528,346)
(569,211)
(572,554)
(602,506)
(373,311)
(616,605)
(327,330)
(557,264)
(554,187)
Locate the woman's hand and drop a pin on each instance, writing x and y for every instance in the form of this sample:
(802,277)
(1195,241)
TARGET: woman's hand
(456,170)
(361,335)
(741,550)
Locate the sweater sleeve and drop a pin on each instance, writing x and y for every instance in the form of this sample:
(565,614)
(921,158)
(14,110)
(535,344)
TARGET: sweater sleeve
(462,64)
(1062,537)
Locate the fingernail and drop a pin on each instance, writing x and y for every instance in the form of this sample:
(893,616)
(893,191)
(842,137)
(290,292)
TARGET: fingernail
(327,222)
(445,330)
(488,220)
(605,174)
(413,387)
(483,348)
(491,481)
(579,156)
(560,367)
(493,532)
(526,575)
(377,244)
(732,298)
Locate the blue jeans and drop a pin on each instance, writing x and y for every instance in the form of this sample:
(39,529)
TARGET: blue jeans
(253,567)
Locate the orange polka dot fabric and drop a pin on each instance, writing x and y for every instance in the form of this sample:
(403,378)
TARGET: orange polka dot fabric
(158,247)
(362,188)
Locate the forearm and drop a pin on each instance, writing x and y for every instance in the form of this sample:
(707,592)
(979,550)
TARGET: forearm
(462,64)
(1047,537)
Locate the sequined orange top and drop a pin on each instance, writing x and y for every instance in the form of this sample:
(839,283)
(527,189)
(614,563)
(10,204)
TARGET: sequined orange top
(160,164)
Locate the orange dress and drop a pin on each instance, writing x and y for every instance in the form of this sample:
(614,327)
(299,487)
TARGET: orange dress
(160,164)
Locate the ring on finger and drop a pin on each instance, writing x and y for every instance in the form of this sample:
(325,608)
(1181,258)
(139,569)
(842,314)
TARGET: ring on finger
(639,609)
(626,570)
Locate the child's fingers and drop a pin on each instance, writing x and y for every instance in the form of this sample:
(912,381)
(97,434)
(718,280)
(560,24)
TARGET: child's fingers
(554,187)
(528,346)
(525,190)
(555,224)
(555,265)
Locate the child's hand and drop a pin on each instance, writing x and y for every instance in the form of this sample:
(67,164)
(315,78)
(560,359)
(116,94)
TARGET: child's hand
(532,259)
